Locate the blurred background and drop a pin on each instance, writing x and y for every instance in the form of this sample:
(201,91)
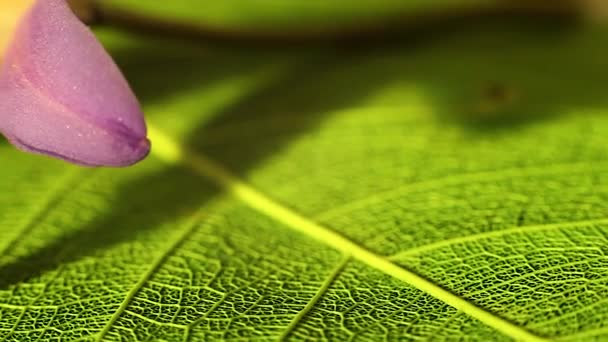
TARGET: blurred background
(482,61)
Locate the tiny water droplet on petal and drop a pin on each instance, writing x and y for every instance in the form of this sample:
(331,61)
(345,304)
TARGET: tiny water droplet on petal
(62,95)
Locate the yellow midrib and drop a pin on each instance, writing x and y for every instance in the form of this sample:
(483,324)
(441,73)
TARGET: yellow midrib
(172,152)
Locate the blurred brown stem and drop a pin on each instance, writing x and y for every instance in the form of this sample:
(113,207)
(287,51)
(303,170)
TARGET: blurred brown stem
(91,12)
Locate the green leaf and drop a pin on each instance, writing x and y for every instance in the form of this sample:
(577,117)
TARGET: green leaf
(455,189)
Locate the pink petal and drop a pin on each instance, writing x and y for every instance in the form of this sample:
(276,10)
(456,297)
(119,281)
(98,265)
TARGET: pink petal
(62,95)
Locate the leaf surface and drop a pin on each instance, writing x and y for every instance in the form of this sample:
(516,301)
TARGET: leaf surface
(322,194)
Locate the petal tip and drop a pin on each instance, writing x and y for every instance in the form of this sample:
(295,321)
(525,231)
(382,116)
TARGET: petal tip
(140,152)
(50,74)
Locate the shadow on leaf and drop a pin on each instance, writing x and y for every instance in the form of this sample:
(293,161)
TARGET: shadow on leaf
(149,204)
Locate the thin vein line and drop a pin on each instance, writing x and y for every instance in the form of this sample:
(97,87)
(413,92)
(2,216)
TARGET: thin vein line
(217,304)
(572,314)
(149,320)
(14,328)
(412,302)
(169,151)
(58,306)
(585,335)
(53,198)
(225,333)
(28,306)
(188,230)
(496,233)
(315,299)
(478,177)
(532,274)
(445,324)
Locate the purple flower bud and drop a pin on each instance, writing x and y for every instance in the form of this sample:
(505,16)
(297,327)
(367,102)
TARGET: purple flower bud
(62,95)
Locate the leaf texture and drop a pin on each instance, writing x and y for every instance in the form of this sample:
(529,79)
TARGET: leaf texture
(328,195)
